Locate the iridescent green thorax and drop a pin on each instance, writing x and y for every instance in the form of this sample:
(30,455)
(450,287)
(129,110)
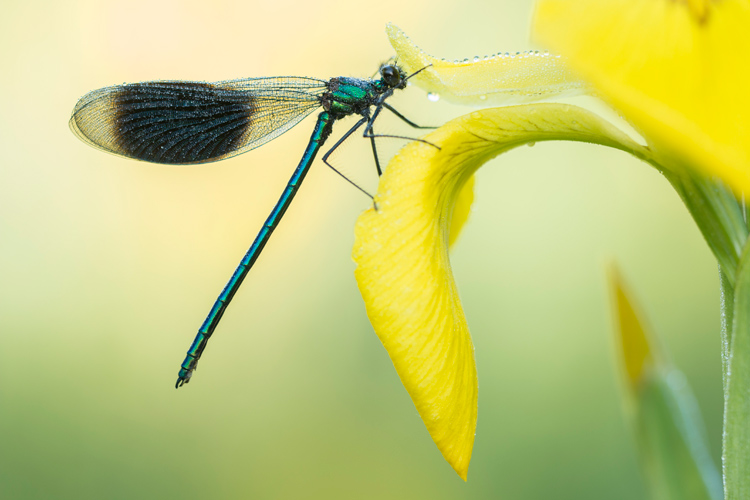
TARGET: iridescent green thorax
(347,96)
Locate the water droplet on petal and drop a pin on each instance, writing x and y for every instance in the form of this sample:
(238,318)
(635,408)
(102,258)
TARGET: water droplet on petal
(476,58)
(432,96)
(531,144)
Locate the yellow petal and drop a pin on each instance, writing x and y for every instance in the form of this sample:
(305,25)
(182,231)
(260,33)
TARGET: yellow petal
(635,348)
(677,70)
(502,79)
(403,269)
(462,210)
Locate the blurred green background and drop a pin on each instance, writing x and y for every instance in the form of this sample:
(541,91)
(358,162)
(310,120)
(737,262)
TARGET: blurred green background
(108,266)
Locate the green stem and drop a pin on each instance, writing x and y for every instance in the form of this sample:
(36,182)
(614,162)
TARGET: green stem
(736,437)
(727,320)
(723,221)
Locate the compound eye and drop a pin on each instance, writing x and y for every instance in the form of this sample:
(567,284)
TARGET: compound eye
(390,75)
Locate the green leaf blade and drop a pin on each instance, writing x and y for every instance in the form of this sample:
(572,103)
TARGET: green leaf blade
(669,432)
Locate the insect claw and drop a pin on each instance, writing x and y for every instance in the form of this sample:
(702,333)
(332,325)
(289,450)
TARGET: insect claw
(184,379)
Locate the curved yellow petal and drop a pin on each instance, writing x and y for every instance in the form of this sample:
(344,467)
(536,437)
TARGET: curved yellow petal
(462,210)
(403,269)
(501,79)
(677,70)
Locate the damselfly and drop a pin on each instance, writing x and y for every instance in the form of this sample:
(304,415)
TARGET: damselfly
(177,122)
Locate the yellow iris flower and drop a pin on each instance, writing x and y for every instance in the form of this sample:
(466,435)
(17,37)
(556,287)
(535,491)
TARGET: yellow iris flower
(675,69)
(678,71)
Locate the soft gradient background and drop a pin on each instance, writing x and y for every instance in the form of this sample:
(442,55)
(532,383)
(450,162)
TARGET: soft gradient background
(108,266)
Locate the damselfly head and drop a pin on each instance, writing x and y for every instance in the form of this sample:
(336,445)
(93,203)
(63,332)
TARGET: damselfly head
(393,76)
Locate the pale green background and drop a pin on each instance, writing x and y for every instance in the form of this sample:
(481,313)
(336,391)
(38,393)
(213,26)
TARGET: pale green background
(108,266)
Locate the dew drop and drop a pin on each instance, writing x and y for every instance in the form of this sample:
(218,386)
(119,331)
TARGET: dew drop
(476,58)
(432,96)
(531,144)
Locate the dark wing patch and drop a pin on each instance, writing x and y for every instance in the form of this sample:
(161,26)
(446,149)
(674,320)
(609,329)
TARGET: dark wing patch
(180,122)
(192,122)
